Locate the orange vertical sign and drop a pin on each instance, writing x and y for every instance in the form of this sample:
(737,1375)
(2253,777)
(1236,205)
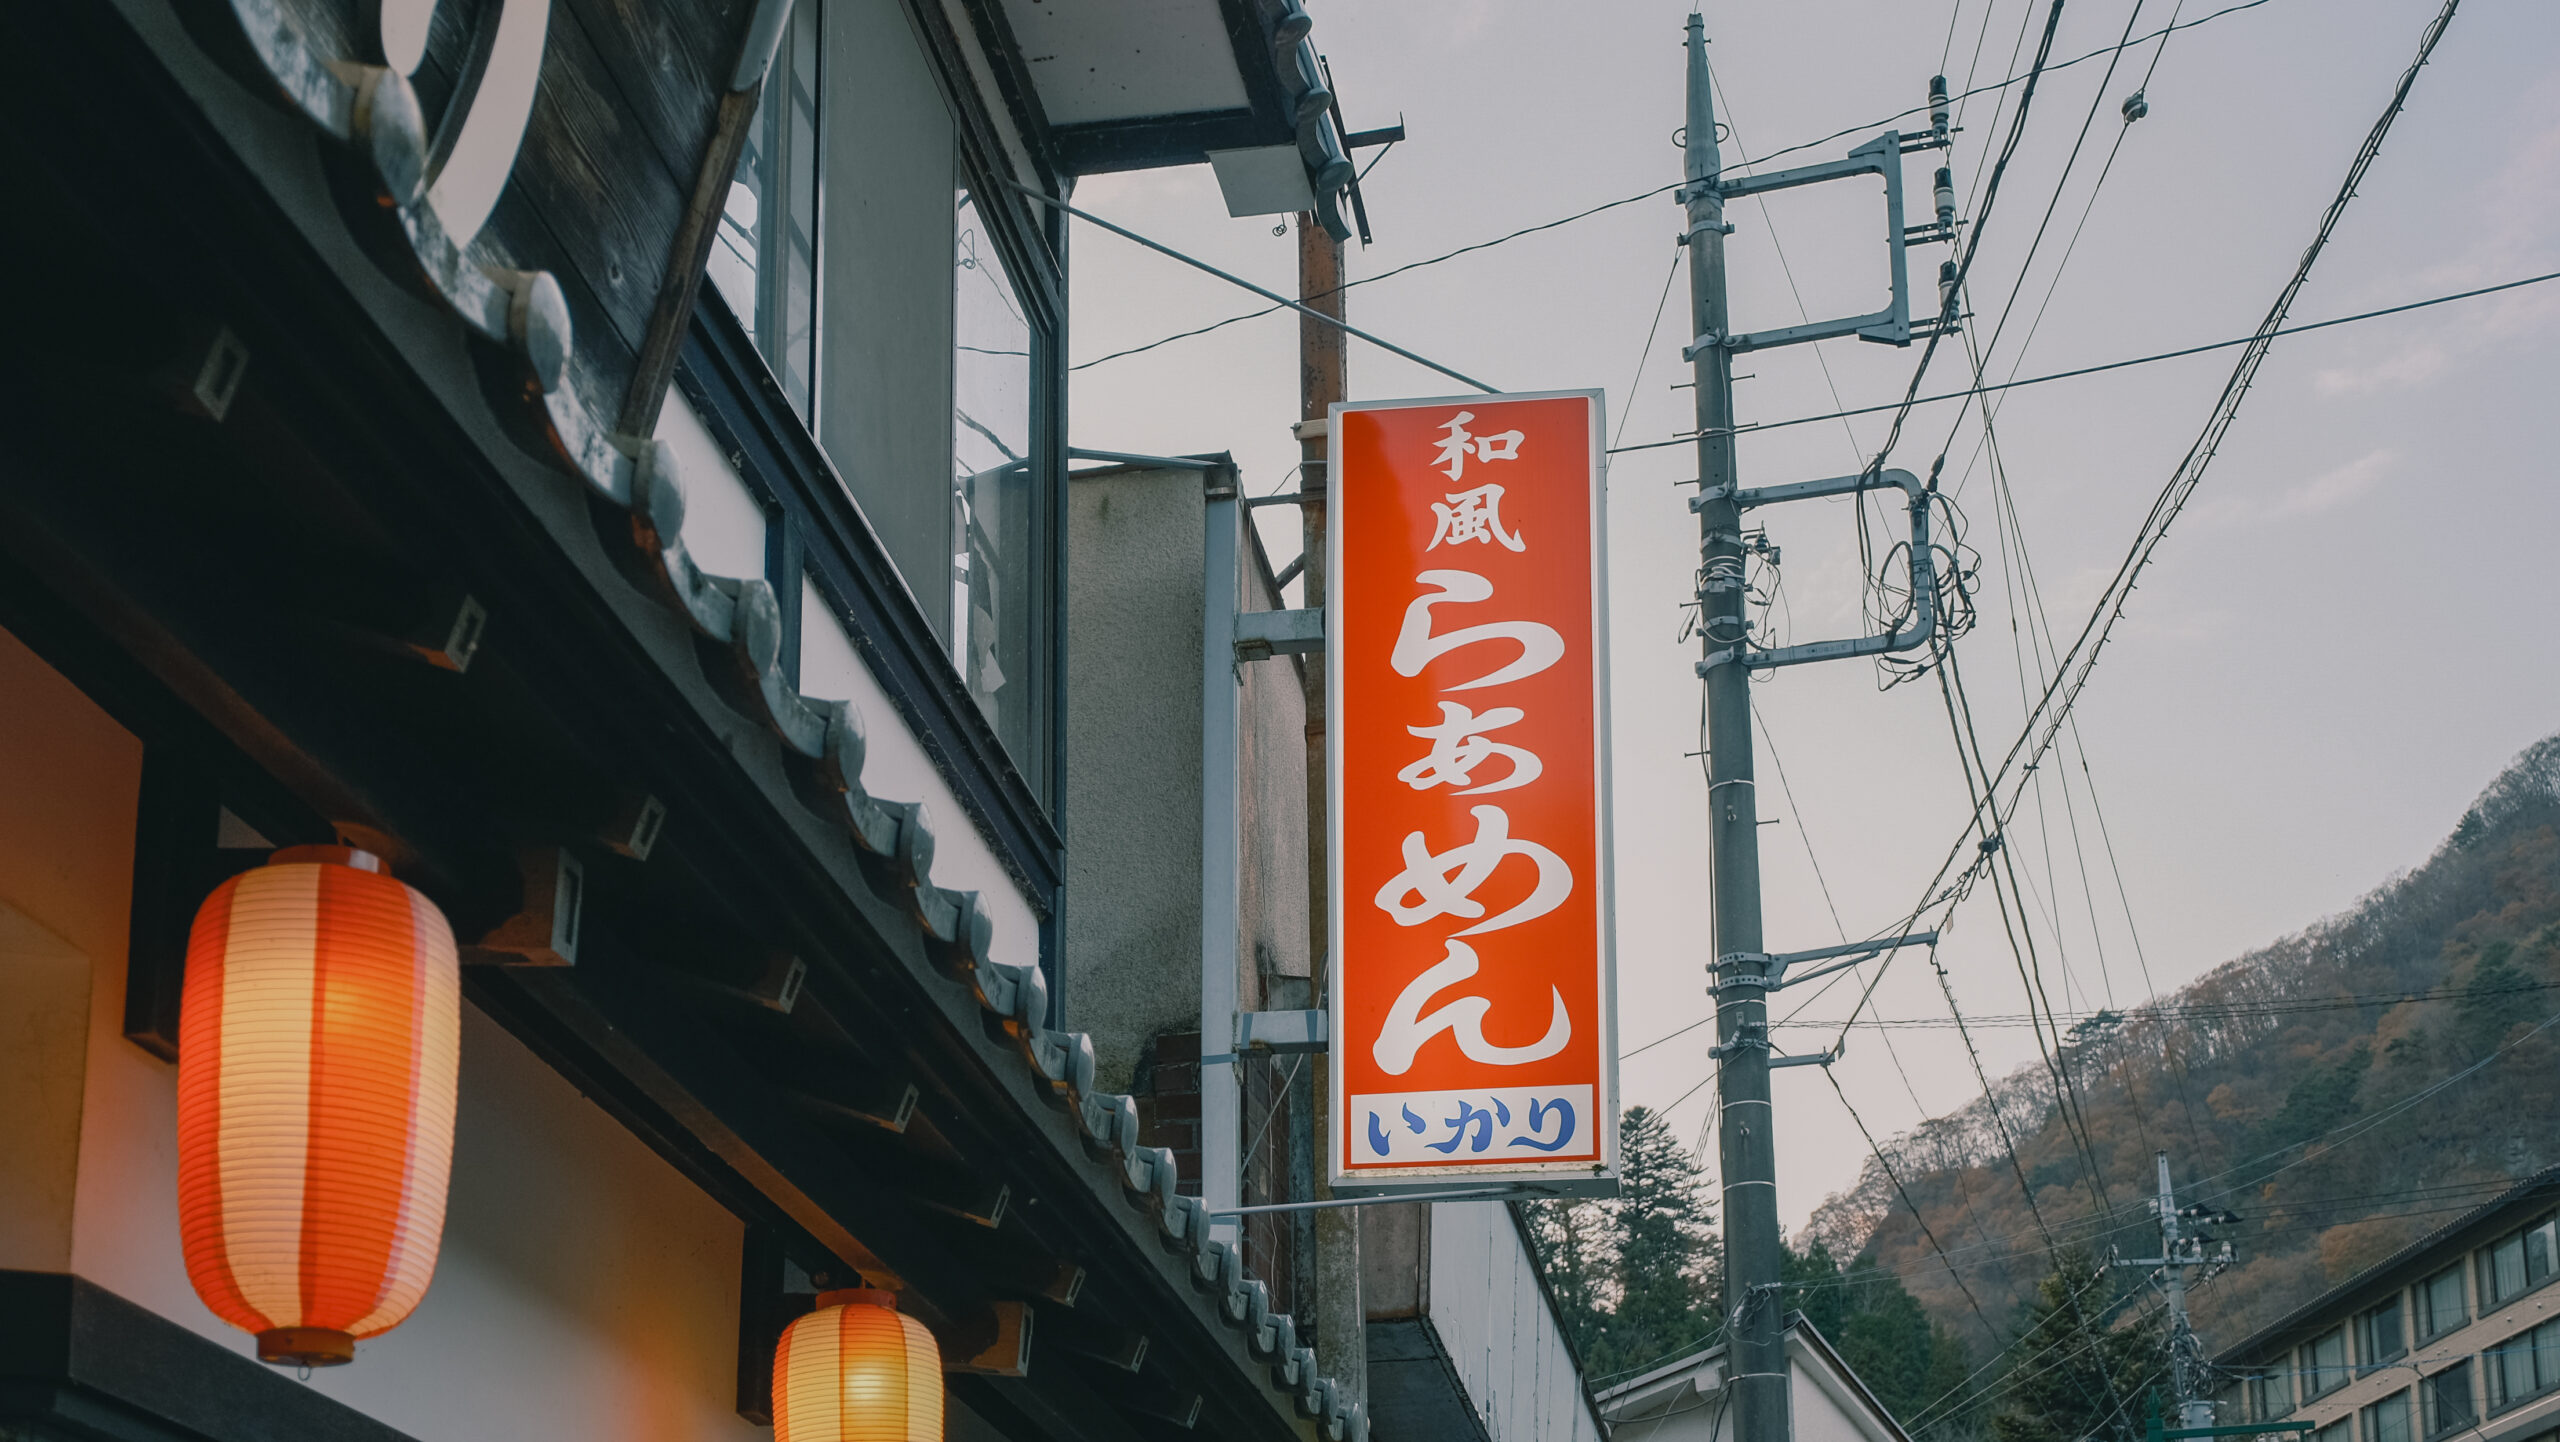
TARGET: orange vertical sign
(1473,1026)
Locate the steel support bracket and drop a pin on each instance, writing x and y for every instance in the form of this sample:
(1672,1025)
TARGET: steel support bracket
(1261,635)
(1280,1031)
(1924,576)
(1889,326)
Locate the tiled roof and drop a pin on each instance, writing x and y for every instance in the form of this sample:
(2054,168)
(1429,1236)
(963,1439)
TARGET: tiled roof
(2391,1272)
(523,320)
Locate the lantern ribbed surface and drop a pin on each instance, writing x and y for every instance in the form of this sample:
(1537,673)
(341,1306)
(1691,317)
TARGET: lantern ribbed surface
(319,1042)
(857,1370)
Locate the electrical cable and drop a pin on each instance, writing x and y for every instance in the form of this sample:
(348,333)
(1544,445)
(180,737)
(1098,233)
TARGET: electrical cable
(1469,249)
(2253,338)
(1635,386)
(2061,695)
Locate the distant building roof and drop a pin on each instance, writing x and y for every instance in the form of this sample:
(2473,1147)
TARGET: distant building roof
(2397,1270)
(1848,1411)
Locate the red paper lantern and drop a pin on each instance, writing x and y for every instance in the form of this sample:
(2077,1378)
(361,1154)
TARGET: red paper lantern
(318,1046)
(857,1370)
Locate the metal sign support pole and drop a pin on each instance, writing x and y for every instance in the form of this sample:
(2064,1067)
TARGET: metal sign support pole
(1221,859)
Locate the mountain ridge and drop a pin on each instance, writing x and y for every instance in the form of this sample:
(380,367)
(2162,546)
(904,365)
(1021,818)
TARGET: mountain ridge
(2344,1089)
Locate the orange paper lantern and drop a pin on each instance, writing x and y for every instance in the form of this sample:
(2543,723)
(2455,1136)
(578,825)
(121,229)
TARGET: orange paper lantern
(318,1045)
(857,1370)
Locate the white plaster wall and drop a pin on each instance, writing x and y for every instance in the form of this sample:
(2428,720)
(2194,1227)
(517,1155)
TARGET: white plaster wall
(1502,1336)
(896,768)
(724,530)
(724,523)
(585,1291)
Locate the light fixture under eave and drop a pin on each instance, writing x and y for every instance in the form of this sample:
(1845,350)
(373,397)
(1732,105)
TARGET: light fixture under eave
(857,1370)
(319,1046)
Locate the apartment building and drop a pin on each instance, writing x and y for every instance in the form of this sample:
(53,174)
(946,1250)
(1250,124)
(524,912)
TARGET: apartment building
(2455,1336)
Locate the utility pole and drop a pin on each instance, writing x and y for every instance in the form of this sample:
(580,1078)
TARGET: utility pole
(1745,1126)
(1324,378)
(2180,1249)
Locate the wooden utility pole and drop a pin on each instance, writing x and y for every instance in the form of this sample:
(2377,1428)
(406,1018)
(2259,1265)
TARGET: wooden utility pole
(1341,1318)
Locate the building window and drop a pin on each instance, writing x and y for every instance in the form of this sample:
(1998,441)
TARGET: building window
(2448,1399)
(2516,1264)
(765,263)
(2342,1430)
(888,296)
(2388,1419)
(2379,1337)
(994,483)
(2324,1364)
(2526,1366)
(2440,1307)
(2270,1395)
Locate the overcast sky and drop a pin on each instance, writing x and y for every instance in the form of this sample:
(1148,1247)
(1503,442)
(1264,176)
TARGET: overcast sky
(2345,637)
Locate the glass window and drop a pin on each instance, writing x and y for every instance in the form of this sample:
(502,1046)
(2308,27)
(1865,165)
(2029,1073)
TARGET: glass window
(873,341)
(2516,1263)
(2378,1333)
(2341,1430)
(2527,1366)
(2270,1395)
(2388,1419)
(2440,1307)
(765,262)
(2324,1364)
(2448,1395)
(994,484)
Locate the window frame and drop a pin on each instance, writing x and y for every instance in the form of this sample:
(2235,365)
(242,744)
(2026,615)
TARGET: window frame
(2319,1378)
(2273,1380)
(2543,1342)
(2427,1329)
(2369,1356)
(817,530)
(2366,1416)
(2522,1240)
(2430,1388)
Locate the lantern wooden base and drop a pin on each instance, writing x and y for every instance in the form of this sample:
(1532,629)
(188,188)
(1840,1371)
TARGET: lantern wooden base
(306,1347)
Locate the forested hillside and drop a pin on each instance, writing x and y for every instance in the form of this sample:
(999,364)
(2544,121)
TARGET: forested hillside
(2342,1090)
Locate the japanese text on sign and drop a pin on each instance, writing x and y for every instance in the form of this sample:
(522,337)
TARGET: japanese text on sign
(1472,1026)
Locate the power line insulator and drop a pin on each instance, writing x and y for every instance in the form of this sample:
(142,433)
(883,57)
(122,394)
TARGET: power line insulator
(2135,107)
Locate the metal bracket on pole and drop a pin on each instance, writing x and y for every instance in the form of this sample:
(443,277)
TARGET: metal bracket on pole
(1889,326)
(1501,1194)
(1273,1033)
(1261,635)
(1769,971)
(1924,572)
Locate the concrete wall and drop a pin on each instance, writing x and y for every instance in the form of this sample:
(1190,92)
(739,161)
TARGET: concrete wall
(1134,598)
(1133,761)
(585,1290)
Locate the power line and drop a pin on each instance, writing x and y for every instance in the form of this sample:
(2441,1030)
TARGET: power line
(1386,274)
(2251,339)
(1469,249)
(2059,697)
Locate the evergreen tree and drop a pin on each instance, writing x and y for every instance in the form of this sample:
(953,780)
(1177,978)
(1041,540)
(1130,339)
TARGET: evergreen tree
(1573,1257)
(2073,1377)
(1635,1277)
(1665,1263)
(1911,1364)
